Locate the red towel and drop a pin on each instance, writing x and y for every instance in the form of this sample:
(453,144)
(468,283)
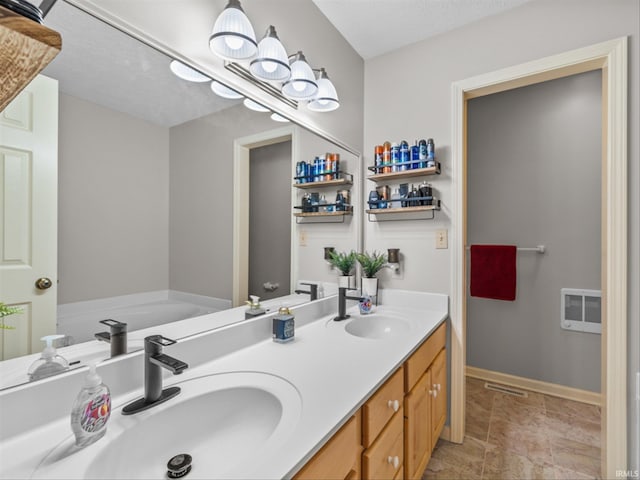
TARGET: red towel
(493,271)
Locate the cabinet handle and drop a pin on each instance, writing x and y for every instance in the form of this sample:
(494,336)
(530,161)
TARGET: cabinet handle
(437,386)
(395,461)
(394,404)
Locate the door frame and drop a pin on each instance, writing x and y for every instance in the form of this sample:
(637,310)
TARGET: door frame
(611,58)
(241,154)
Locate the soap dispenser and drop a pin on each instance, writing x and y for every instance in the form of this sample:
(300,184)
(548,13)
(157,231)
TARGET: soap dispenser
(50,363)
(91,410)
(254,310)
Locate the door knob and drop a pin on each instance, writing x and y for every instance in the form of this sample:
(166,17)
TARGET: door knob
(43,283)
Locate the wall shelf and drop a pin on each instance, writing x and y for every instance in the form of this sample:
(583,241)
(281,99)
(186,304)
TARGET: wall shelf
(324,217)
(27,47)
(346,179)
(387,213)
(416,172)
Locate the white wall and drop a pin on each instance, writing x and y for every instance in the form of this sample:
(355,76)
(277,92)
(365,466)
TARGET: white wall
(113,203)
(419,105)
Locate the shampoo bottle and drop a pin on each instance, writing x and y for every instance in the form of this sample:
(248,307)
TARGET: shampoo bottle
(91,410)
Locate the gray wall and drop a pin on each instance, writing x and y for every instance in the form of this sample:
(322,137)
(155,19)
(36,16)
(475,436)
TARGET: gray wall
(420,104)
(270,219)
(113,203)
(534,174)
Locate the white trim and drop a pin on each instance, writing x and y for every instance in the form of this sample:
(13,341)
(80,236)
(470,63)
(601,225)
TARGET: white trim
(241,150)
(611,57)
(553,389)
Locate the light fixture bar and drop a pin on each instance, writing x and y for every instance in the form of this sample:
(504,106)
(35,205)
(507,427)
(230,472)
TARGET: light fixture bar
(243,73)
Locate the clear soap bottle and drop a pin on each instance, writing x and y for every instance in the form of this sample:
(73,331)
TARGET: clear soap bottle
(91,410)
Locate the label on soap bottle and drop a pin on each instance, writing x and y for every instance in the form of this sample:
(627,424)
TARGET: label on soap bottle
(96,413)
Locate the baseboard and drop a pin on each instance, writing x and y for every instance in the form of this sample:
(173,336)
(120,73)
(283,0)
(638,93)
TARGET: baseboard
(570,393)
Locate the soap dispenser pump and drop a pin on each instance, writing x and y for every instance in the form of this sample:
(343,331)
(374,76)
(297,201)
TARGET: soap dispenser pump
(91,410)
(50,363)
(254,310)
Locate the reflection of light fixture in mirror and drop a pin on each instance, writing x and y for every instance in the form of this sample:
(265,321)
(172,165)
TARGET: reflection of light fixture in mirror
(326,100)
(233,37)
(393,259)
(327,254)
(272,63)
(278,118)
(185,72)
(251,105)
(224,91)
(302,84)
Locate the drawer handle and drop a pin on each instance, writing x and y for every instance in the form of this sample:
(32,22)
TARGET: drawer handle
(394,404)
(395,461)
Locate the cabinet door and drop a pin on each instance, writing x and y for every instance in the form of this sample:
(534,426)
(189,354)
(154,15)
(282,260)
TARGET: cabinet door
(417,432)
(340,458)
(439,395)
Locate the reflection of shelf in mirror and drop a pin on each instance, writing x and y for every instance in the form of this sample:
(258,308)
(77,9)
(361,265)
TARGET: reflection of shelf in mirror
(322,214)
(403,210)
(416,172)
(347,179)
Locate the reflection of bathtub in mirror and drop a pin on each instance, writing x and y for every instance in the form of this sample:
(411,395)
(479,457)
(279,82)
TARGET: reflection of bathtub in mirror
(171,314)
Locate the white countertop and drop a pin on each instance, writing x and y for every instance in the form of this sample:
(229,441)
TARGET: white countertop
(333,372)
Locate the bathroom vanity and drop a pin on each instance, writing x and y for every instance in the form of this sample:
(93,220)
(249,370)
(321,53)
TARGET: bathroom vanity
(364,397)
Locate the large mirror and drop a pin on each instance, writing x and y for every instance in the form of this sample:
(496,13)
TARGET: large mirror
(172,202)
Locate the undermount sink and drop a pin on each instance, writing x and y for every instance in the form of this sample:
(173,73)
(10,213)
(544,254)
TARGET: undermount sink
(377,326)
(225,422)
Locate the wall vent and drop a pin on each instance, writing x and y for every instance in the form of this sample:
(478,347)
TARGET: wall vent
(581,310)
(504,389)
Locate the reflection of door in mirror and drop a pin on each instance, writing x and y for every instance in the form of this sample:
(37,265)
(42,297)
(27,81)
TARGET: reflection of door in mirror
(28,227)
(270,220)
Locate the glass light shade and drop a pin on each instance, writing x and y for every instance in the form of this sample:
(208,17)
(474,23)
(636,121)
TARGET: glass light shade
(302,84)
(326,99)
(251,105)
(224,91)
(271,63)
(185,72)
(233,37)
(278,118)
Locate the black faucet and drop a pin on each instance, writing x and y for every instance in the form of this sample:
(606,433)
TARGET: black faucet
(117,336)
(313,290)
(342,303)
(154,362)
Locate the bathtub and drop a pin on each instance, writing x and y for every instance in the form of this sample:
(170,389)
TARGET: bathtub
(80,321)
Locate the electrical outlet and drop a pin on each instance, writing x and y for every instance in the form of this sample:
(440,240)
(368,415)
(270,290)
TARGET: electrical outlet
(442,240)
(302,238)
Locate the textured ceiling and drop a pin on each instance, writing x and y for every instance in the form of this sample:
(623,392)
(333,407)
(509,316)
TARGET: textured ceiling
(374,27)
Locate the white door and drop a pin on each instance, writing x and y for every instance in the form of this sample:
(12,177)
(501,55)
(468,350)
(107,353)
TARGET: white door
(28,215)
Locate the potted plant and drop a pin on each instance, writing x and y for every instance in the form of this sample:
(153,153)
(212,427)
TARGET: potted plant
(371,264)
(345,262)
(5,311)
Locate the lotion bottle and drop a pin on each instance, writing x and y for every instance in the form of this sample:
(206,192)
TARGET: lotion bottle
(91,409)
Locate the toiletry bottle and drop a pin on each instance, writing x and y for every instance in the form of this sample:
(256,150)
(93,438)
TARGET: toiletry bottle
(283,326)
(323,204)
(91,410)
(50,363)
(254,310)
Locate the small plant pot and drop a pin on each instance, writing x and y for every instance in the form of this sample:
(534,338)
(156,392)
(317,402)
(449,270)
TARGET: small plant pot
(370,286)
(346,281)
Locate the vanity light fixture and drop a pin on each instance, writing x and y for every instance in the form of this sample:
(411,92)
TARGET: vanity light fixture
(233,37)
(224,91)
(302,83)
(279,118)
(326,100)
(187,73)
(255,106)
(271,63)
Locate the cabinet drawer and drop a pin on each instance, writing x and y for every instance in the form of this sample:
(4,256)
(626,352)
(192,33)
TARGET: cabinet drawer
(422,358)
(381,407)
(339,458)
(384,459)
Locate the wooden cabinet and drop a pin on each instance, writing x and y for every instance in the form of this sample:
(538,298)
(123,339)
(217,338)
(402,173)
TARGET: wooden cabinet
(27,47)
(393,434)
(425,405)
(339,458)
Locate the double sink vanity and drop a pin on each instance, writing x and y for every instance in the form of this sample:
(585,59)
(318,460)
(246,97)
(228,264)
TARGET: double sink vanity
(360,398)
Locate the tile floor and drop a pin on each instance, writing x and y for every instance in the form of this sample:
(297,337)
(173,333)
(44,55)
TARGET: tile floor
(509,437)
